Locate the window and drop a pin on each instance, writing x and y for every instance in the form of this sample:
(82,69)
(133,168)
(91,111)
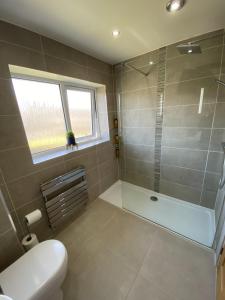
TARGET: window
(50,109)
(80,111)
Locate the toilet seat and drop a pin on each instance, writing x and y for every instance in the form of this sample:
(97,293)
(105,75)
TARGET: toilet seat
(36,273)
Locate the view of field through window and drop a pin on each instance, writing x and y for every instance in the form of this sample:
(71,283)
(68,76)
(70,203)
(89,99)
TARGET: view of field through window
(80,111)
(42,113)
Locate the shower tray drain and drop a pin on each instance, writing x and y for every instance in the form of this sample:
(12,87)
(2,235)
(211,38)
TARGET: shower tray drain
(154,198)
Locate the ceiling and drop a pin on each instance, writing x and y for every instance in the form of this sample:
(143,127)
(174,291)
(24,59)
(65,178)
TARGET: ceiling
(87,25)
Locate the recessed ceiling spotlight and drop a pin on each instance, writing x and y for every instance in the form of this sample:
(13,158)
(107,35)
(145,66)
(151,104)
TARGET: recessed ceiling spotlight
(115,33)
(151,63)
(175,5)
(190,51)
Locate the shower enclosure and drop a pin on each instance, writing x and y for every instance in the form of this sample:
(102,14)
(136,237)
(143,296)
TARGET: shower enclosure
(172,124)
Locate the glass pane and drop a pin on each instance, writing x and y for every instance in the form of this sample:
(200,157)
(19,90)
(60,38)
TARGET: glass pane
(41,110)
(80,111)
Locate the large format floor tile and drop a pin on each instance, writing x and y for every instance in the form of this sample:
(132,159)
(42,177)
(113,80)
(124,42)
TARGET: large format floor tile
(98,277)
(128,237)
(184,270)
(115,255)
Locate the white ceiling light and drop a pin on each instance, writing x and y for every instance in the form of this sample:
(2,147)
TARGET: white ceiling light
(115,33)
(190,51)
(175,5)
(151,63)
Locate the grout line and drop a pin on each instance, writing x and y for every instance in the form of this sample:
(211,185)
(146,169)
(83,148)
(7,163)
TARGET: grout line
(164,146)
(36,199)
(168,165)
(20,46)
(167,180)
(180,127)
(148,251)
(172,83)
(6,79)
(25,146)
(177,148)
(185,186)
(169,106)
(35,172)
(192,79)
(10,115)
(188,105)
(43,53)
(5,232)
(179,167)
(190,149)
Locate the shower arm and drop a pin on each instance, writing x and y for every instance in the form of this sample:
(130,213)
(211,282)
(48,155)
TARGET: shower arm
(134,68)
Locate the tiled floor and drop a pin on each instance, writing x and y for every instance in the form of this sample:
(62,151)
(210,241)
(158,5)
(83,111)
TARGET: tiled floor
(114,255)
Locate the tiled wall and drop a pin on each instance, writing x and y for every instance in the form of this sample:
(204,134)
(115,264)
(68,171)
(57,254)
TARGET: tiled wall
(191,153)
(20,179)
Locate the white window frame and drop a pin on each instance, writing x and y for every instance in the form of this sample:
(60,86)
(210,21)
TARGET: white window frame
(63,87)
(95,127)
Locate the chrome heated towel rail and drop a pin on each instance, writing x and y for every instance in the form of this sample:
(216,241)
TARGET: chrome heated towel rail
(64,195)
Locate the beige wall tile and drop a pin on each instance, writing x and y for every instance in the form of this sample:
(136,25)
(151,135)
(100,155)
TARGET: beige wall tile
(183,176)
(17,35)
(188,92)
(93,176)
(8,103)
(94,192)
(63,67)
(186,67)
(11,128)
(54,48)
(10,249)
(179,191)
(15,55)
(27,189)
(16,163)
(98,65)
(105,151)
(102,78)
(188,116)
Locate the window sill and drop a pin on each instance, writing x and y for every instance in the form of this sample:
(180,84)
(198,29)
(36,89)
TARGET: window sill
(51,154)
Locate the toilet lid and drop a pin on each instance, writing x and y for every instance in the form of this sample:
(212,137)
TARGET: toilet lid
(25,277)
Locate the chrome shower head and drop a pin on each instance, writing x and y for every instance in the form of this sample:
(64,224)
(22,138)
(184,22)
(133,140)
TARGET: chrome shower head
(189,48)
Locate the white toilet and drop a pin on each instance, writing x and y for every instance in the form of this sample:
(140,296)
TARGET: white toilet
(38,274)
